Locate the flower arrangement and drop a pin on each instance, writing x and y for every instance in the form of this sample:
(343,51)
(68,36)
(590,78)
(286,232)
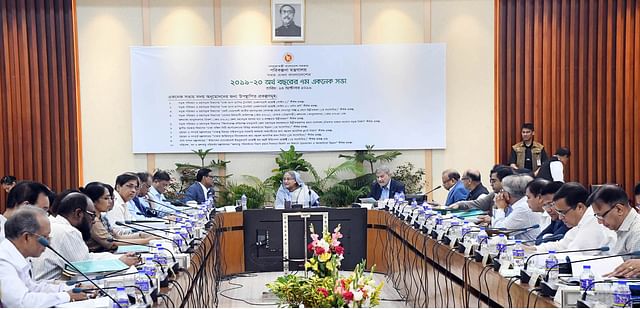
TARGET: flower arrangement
(326,288)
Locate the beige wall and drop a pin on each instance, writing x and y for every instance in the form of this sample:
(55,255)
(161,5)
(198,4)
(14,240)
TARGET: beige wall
(106,29)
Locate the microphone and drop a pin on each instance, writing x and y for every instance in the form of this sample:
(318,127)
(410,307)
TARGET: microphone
(550,238)
(111,239)
(502,230)
(100,277)
(144,299)
(120,223)
(178,211)
(605,248)
(428,192)
(44,242)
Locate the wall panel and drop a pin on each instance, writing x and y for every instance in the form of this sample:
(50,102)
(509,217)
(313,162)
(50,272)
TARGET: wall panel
(575,76)
(39,132)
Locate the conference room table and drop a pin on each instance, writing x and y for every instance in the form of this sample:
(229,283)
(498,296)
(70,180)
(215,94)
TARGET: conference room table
(425,272)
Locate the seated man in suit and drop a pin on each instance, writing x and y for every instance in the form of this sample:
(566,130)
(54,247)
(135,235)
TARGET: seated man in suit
(457,191)
(385,187)
(201,190)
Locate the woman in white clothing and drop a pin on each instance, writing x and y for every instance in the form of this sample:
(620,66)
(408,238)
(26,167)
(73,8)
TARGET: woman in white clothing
(294,191)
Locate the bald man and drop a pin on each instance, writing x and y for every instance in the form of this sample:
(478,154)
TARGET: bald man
(473,183)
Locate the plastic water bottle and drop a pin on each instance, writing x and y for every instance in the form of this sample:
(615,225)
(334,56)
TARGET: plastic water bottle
(178,241)
(465,229)
(142,281)
(501,244)
(396,197)
(621,294)
(401,197)
(517,254)
(152,270)
(586,278)
(185,234)
(160,256)
(243,202)
(482,236)
(121,298)
(552,267)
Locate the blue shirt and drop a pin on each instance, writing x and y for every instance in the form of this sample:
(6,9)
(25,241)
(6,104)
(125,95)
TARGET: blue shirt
(385,192)
(457,193)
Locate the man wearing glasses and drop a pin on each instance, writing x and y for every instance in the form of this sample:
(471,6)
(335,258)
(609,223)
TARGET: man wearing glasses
(612,209)
(17,288)
(201,190)
(570,202)
(556,227)
(70,228)
(451,181)
(289,27)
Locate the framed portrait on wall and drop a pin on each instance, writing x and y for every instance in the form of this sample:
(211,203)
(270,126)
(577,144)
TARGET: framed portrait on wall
(287,20)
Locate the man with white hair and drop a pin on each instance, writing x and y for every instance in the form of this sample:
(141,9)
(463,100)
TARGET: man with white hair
(17,288)
(513,196)
(384,187)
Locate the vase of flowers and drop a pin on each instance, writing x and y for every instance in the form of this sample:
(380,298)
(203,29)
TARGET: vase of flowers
(326,288)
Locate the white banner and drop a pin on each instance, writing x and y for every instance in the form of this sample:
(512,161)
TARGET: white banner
(249,99)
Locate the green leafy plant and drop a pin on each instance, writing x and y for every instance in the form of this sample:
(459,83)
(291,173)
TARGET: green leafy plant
(367,155)
(341,195)
(255,198)
(289,160)
(326,288)
(411,178)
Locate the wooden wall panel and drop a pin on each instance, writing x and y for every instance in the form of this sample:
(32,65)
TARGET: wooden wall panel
(39,129)
(572,67)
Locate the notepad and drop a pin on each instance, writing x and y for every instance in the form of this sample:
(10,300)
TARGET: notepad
(132,248)
(97,266)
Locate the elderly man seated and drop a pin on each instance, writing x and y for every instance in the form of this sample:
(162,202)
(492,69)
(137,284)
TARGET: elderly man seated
(16,285)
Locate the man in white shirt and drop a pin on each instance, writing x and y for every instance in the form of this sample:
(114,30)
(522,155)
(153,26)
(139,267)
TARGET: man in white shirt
(69,229)
(553,170)
(17,288)
(24,193)
(520,215)
(126,188)
(585,233)
(612,209)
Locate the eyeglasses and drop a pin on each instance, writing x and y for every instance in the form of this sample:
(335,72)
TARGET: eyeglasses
(563,213)
(91,214)
(601,217)
(38,235)
(491,180)
(464,178)
(548,205)
(131,186)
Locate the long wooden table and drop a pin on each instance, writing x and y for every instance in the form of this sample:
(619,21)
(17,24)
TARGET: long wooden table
(425,272)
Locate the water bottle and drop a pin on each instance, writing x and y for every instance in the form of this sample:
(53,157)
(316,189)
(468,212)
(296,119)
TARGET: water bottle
(465,229)
(142,281)
(401,197)
(501,244)
(621,294)
(152,270)
(396,197)
(482,236)
(178,241)
(185,234)
(243,202)
(188,224)
(517,254)
(121,298)
(586,278)
(160,256)
(551,267)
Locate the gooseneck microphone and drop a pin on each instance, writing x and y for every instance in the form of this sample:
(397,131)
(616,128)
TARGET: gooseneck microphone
(524,229)
(44,242)
(152,228)
(111,239)
(605,248)
(179,213)
(428,192)
(144,298)
(120,223)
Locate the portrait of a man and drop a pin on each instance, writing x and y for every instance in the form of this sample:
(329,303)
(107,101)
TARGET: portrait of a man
(288,21)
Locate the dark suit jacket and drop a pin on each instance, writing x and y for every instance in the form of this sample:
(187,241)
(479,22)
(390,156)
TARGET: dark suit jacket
(394,187)
(194,193)
(292,30)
